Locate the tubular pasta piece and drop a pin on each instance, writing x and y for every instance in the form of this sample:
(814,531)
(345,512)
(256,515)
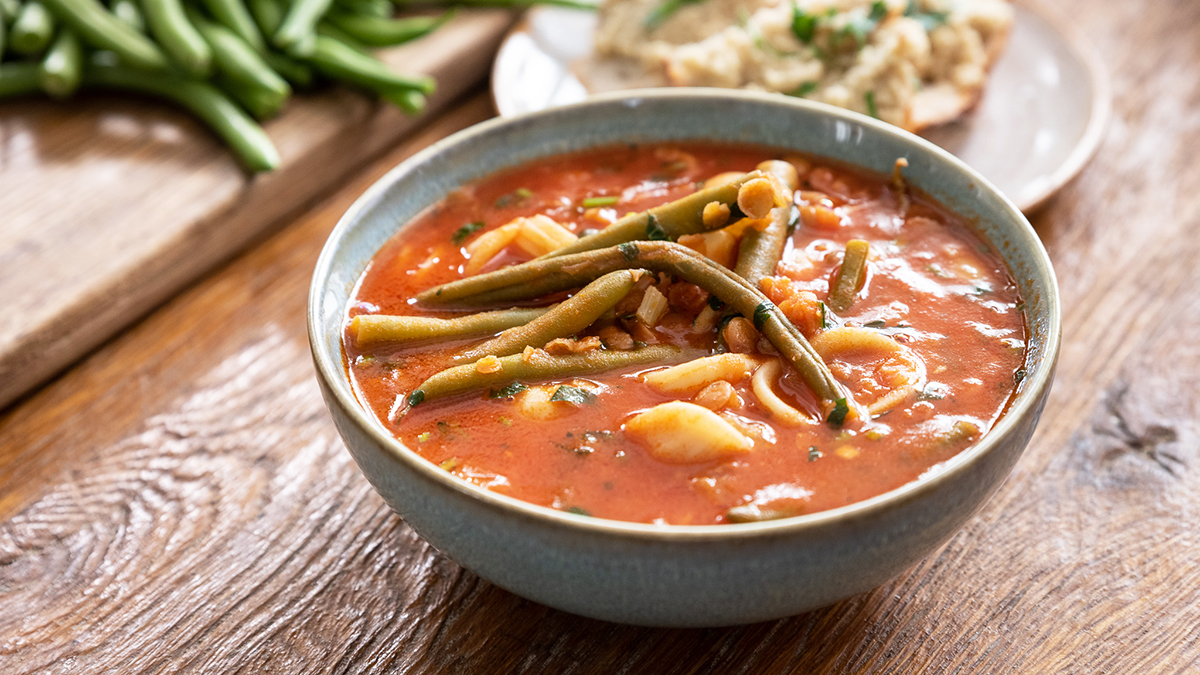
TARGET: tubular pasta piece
(764,376)
(699,373)
(488,245)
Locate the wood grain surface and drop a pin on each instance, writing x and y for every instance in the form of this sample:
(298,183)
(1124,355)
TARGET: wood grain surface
(180,502)
(110,205)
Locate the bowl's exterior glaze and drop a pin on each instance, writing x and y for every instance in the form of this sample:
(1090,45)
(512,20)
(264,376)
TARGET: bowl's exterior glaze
(680,576)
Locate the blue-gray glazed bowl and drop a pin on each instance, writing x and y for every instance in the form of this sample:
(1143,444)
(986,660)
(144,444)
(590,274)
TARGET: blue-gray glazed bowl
(680,575)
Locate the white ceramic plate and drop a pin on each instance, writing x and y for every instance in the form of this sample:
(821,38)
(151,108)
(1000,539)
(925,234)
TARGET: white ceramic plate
(1038,123)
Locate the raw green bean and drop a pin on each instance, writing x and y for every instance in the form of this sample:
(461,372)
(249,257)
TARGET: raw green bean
(666,222)
(169,25)
(377,8)
(3,36)
(9,9)
(377,32)
(411,102)
(297,33)
(233,15)
(544,276)
(268,14)
(63,65)
(850,277)
(760,250)
(239,132)
(572,4)
(331,31)
(31,33)
(298,74)
(17,79)
(260,103)
(99,28)
(373,329)
(127,11)
(565,320)
(542,366)
(240,63)
(340,61)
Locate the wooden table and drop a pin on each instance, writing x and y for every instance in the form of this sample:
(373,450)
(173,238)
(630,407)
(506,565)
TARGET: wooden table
(180,501)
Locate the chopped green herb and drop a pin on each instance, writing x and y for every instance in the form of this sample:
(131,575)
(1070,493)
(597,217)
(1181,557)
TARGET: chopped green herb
(715,303)
(460,235)
(725,321)
(415,398)
(813,453)
(505,421)
(840,409)
(879,10)
(1019,375)
(804,25)
(875,324)
(577,511)
(630,251)
(666,9)
(424,436)
(872,110)
(654,231)
(824,317)
(928,19)
(573,395)
(593,202)
(508,391)
(805,89)
(1021,306)
(515,197)
(762,314)
(855,31)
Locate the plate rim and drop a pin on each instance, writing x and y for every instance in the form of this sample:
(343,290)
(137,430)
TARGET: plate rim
(1099,113)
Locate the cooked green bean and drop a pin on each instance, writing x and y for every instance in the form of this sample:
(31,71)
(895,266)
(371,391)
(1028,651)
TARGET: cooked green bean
(381,32)
(666,222)
(297,33)
(760,250)
(374,329)
(101,29)
(568,318)
(240,63)
(239,132)
(850,277)
(63,65)
(550,275)
(17,79)
(338,60)
(169,25)
(542,366)
(233,15)
(127,11)
(31,33)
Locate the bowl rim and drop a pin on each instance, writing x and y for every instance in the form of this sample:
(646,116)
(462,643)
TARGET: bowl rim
(332,374)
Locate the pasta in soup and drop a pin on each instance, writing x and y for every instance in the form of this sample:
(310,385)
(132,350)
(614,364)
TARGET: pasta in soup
(686,334)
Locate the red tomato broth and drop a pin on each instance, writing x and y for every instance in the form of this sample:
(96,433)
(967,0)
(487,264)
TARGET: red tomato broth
(939,290)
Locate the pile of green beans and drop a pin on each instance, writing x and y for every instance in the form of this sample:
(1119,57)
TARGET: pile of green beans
(231,63)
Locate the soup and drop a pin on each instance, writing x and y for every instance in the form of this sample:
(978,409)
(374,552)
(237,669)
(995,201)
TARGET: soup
(686,334)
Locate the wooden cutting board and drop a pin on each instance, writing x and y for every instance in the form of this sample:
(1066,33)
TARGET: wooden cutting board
(110,204)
